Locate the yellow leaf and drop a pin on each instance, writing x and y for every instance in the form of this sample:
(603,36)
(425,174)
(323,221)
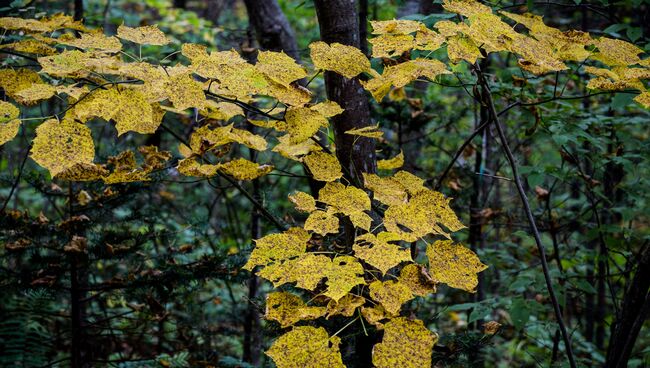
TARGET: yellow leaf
(76,64)
(454,265)
(395,26)
(248,139)
(294,151)
(153,158)
(323,166)
(83,172)
(466,7)
(287,309)
(345,273)
(35,93)
(425,213)
(30,46)
(303,123)
(345,60)
(95,40)
(279,67)
(616,52)
(128,107)
(278,247)
(9,122)
(322,223)
(126,170)
(378,252)
(410,182)
(406,344)
(489,32)
(392,163)
(59,145)
(402,74)
(13,81)
(461,47)
(306,271)
(350,201)
(643,99)
(428,40)
(191,167)
(242,169)
(306,347)
(374,315)
(303,202)
(73,91)
(371,131)
(417,278)
(390,294)
(146,35)
(184,92)
(327,108)
(386,190)
(390,45)
(57,21)
(345,306)
(221,110)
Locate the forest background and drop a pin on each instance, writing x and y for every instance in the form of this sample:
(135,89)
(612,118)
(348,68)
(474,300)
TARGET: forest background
(160,280)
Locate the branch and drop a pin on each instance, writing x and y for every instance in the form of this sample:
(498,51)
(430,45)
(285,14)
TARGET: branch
(529,214)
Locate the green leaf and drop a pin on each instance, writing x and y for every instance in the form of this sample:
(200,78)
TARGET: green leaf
(519,313)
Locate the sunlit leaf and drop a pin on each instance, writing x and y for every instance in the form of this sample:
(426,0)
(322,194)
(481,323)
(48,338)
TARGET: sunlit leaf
(386,190)
(417,278)
(347,61)
(303,202)
(322,223)
(306,347)
(346,306)
(390,294)
(9,122)
(323,166)
(287,309)
(59,145)
(378,252)
(243,169)
(278,247)
(392,163)
(146,35)
(406,343)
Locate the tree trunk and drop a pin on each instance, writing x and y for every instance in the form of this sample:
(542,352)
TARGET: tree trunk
(338,22)
(634,311)
(272,27)
(78,9)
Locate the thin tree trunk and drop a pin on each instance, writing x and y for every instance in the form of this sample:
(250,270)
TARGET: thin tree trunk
(634,311)
(338,22)
(78,9)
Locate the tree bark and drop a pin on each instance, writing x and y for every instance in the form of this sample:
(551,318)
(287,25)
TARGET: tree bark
(271,26)
(338,22)
(78,9)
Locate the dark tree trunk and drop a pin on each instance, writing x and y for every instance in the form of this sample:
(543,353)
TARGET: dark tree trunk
(78,9)
(272,27)
(363,26)
(634,311)
(338,22)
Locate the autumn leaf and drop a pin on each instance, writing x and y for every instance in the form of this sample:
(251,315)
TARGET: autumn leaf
(59,145)
(417,278)
(322,223)
(454,265)
(371,131)
(243,169)
(306,347)
(406,343)
(9,122)
(146,35)
(345,307)
(392,163)
(288,309)
(303,123)
(390,294)
(323,166)
(278,247)
(345,60)
(378,252)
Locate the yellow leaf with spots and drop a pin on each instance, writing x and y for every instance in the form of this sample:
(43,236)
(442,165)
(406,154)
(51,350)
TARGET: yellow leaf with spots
(345,306)
(126,170)
(454,265)
(278,247)
(9,122)
(75,64)
(323,166)
(489,32)
(243,169)
(466,7)
(350,201)
(374,315)
(386,190)
(30,46)
(153,158)
(410,182)
(146,35)
(327,108)
(402,74)
(347,61)
(643,99)
(191,167)
(417,278)
(614,52)
(461,47)
(390,294)
(95,40)
(294,151)
(371,131)
(84,172)
(184,92)
(248,139)
(205,139)
(279,67)
(406,344)
(322,223)
(303,123)
(46,24)
(392,163)
(12,81)
(344,274)
(303,202)
(427,212)
(378,252)
(390,45)
(221,110)
(59,145)
(37,92)
(287,309)
(395,26)
(306,347)
(428,40)
(306,271)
